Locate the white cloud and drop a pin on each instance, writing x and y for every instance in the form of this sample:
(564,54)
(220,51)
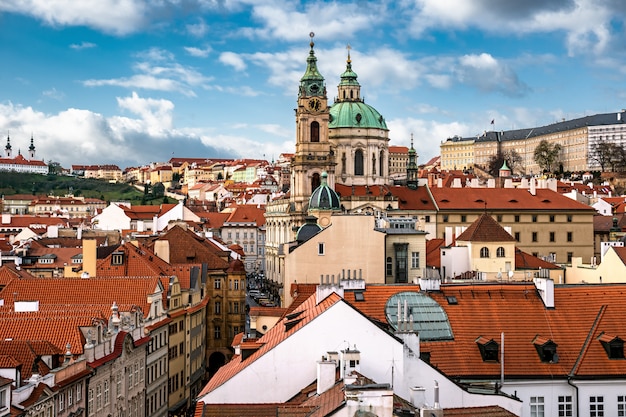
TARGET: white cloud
(54,94)
(83,45)
(199,29)
(487,74)
(156,115)
(234,60)
(198,52)
(121,18)
(158,71)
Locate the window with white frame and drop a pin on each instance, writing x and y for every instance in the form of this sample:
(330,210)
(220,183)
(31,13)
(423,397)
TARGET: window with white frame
(415,260)
(4,394)
(596,406)
(621,405)
(537,407)
(565,406)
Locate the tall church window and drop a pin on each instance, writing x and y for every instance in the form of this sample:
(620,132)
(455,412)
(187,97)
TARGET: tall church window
(373,164)
(380,163)
(315,181)
(315,132)
(358,162)
(343,163)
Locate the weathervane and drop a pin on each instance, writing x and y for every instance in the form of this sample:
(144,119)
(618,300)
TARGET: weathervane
(312,35)
(348,47)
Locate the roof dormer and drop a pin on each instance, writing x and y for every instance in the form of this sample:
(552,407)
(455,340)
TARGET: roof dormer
(488,349)
(546,349)
(613,345)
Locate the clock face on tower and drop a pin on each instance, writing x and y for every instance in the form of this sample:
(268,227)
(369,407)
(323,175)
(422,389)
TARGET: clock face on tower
(315,104)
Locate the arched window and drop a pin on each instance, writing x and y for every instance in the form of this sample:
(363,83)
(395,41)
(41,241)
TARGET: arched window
(315,132)
(315,181)
(500,252)
(484,252)
(373,164)
(381,164)
(343,163)
(358,162)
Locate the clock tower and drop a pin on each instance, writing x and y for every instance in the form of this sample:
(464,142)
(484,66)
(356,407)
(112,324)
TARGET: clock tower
(313,154)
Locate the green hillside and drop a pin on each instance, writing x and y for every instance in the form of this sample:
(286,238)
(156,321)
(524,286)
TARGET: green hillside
(59,185)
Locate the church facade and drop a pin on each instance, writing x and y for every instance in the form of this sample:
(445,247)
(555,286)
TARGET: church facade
(19,163)
(345,146)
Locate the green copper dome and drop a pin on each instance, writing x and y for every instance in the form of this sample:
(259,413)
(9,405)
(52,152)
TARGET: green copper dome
(324,197)
(355,114)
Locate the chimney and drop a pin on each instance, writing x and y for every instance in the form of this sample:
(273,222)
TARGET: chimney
(491,183)
(545,287)
(325,375)
(162,249)
(533,186)
(417,396)
(349,361)
(89,257)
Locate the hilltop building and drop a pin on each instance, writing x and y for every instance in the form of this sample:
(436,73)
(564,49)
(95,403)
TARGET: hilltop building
(19,163)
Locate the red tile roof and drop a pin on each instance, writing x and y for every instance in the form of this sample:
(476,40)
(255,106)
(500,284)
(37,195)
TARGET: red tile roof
(247,214)
(433,254)
(273,337)
(26,352)
(515,199)
(525,260)
(485,229)
(493,411)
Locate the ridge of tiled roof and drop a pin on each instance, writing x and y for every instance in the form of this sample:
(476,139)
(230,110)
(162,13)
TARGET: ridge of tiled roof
(485,229)
(187,247)
(35,396)
(490,411)
(468,198)
(26,352)
(277,334)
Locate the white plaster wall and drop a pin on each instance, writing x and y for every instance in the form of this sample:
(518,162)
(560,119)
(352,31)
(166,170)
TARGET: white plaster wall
(455,261)
(292,365)
(111,218)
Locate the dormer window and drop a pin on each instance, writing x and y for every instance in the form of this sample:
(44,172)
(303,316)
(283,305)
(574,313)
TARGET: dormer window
(546,349)
(613,345)
(488,349)
(117,258)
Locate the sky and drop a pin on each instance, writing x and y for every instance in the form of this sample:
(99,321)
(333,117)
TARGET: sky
(133,82)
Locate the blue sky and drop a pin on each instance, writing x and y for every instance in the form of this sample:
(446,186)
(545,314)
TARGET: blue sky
(131,82)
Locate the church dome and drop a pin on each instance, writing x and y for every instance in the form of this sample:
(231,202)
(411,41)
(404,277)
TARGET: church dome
(355,114)
(324,197)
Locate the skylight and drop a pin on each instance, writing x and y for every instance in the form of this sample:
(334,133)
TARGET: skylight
(429,318)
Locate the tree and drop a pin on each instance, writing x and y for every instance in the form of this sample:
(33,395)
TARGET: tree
(606,153)
(158,190)
(547,155)
(512,158)
(54,168)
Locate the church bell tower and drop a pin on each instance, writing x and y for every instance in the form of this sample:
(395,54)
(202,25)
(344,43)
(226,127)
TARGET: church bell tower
(313,154)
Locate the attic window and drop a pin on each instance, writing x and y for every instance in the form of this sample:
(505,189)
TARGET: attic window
(513,200)
(445,200)
(117,258)
(488,349)
(452,300)
(546,349)
(480,200)
(613,345)
(293,315)
(291,323)
(358,296)
(545,201)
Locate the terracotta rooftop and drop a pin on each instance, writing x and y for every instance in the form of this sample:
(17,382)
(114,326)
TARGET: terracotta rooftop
(29,352)
(515,199)
(525,260)
(433,255)
(485,229)
(267,342)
